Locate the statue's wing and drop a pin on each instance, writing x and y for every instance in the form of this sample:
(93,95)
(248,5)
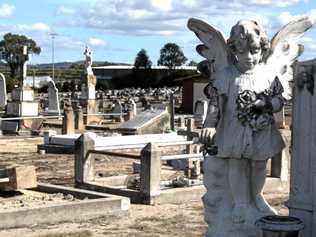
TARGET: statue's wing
(214,47)
(285,50)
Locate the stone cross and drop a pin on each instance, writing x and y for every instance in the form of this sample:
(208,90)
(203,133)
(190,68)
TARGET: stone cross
(24,59)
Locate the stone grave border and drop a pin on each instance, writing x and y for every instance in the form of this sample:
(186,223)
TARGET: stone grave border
(150,171)
(97,204)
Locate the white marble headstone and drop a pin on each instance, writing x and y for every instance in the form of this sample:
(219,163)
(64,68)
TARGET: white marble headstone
(200,111)
(53,100)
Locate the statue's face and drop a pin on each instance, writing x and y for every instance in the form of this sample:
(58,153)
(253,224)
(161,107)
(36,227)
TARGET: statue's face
(248,58)
(247,47)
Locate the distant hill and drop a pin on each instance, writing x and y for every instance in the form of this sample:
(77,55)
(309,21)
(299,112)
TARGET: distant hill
(66,65)
(63,70)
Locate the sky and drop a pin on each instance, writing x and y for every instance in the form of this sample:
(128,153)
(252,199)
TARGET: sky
(116,30)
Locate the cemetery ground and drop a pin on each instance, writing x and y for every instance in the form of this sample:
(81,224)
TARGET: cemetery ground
(184,219)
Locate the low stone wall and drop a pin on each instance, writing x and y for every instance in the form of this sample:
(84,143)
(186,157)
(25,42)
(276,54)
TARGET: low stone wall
(19,144)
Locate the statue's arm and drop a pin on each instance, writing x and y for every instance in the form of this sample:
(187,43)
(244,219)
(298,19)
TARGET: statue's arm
(214,112)
(215,107)
(277,103)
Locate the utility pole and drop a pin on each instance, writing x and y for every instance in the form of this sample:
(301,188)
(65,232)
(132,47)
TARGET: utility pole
(53,35)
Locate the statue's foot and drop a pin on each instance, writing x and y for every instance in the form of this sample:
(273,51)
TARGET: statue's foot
(238,213)
(263,206)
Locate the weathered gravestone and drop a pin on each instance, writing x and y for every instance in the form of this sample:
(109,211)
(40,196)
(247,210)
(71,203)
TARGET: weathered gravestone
(302,202)
(53,100)
(118,109)
(200,112)
(148,121)
(3,91)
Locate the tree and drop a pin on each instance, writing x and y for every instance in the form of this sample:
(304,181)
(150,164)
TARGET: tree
(192,63)
(171,56)
(12,50)
(142,60)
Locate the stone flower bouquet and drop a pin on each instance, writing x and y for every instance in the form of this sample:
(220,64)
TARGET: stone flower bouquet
(257,116)
(248,113)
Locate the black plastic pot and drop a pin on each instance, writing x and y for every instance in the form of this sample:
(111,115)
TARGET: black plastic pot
(280,226)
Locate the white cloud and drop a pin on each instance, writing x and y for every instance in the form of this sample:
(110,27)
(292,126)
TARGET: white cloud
(96,42)
(279,3)
(309,48)
(156,17)
(62,10)
(139,14)
(286,17)
(163,5)
(6,10)
(34,27)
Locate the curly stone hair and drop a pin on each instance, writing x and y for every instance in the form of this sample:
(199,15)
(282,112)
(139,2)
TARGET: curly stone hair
(248,33)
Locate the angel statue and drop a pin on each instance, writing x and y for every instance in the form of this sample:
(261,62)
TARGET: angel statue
(249,81)
(88,63)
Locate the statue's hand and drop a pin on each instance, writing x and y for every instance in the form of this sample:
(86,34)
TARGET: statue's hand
(263,105)
(206,136)
(259,104)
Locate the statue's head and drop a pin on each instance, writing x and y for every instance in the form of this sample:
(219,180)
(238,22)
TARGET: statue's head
(87,51)
(249,43)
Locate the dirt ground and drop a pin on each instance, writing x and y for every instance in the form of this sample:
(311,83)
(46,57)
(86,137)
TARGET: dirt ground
(185,219)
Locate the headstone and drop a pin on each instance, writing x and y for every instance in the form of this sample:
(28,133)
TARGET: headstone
(302,201)
(200,112)
(3,91)
(118,109)
(84,93)
(132,107)
(146,122)
(53,100)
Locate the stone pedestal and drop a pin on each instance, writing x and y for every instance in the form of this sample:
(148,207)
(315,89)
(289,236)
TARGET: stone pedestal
(25,94)
(90,101)
(68,122)
(22,108)
(22,103)
(79,125)
(91,111)
(218,203)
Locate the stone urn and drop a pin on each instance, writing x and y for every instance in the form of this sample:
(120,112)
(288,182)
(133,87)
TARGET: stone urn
(280,226)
